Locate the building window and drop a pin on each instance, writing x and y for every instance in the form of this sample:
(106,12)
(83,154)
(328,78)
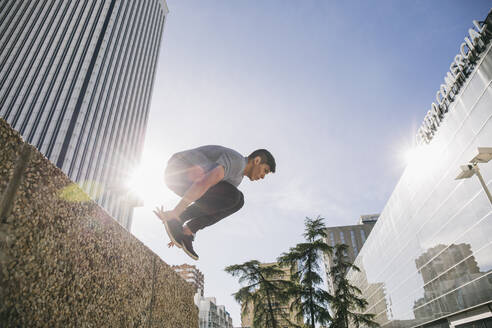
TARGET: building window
(363,236)
(342,237)
(332,237)
(354,243)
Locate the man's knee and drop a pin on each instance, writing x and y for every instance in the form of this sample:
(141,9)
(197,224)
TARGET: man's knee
(174,183)
(239,201)
(230,196)
(169,181)
(195,173)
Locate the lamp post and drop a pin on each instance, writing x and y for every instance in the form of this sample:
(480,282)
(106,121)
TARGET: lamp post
(471,169)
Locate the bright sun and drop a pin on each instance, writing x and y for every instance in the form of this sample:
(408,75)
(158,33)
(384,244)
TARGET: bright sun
(136,182)
(147,182)
(423,159)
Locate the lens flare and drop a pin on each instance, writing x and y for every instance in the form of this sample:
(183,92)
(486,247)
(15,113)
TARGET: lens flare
(73,193)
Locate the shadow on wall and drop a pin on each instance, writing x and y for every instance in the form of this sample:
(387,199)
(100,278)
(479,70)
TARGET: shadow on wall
(66,262)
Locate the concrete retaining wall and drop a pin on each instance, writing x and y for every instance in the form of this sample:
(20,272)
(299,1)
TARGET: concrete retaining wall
(64,262)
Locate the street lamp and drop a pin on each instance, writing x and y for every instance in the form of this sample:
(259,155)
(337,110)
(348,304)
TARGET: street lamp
(468,170)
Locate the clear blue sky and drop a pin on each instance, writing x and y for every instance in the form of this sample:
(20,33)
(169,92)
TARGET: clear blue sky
(334,89)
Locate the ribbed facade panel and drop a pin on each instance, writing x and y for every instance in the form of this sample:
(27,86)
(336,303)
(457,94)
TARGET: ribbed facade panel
(76,79)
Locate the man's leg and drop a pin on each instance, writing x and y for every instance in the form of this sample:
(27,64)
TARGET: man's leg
(218,202)
(178,176)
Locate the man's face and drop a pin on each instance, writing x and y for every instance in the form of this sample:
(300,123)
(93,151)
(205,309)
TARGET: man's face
(259,170)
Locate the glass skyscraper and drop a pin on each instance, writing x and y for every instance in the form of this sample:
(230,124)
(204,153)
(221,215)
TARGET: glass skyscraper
(428,259)
(76,79)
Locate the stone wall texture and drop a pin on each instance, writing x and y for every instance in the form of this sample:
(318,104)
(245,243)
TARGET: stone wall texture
(64,262)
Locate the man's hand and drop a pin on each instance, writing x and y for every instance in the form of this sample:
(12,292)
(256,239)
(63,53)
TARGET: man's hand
(165,215)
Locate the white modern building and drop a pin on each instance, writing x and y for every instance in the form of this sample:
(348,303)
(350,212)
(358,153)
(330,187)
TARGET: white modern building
(210,314)
(428,259)
(76,79)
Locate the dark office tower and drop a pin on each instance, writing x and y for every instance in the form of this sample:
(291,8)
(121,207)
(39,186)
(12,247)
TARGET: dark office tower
(354,236)
(76,80)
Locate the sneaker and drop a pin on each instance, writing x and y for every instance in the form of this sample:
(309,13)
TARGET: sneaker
(188,246)
(174,230)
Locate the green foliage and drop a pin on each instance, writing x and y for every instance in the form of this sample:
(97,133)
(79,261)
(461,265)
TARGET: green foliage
(309,299)
(263,294)
(346,304)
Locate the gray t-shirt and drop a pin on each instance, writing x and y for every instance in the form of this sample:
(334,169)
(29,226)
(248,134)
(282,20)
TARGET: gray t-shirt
(209,156)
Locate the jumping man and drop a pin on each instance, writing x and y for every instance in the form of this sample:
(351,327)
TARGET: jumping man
(207,178)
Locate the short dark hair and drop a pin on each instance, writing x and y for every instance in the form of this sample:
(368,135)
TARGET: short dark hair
(266,158)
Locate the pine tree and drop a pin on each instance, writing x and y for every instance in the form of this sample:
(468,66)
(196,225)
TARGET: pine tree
(263,294)
(309,299)
(346,304)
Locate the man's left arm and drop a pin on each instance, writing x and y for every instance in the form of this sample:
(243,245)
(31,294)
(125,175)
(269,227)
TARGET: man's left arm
(196,190)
